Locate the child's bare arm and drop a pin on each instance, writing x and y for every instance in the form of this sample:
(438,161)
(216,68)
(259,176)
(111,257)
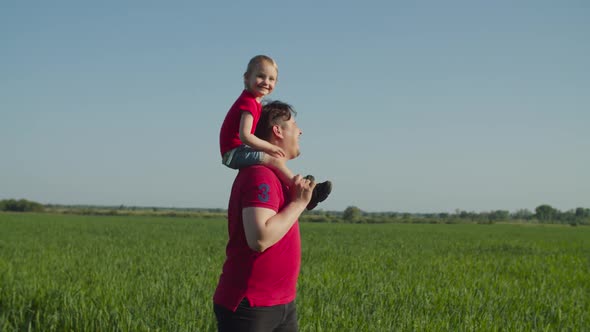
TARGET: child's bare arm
(251,140)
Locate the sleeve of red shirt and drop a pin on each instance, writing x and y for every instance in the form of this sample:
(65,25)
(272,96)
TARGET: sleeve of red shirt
(246,105)
(263,189)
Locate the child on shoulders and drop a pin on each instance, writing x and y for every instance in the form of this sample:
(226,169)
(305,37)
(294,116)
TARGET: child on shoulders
(240,147)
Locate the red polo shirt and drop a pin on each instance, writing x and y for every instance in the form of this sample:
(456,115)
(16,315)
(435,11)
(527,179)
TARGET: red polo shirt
(267,278)
(229,136)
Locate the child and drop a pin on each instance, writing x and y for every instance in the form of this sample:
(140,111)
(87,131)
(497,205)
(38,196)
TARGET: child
(240,147)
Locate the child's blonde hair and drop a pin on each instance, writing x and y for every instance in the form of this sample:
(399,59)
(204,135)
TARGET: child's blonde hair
(255,61)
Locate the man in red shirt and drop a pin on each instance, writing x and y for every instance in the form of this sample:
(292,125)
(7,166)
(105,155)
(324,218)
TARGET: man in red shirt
(257,287)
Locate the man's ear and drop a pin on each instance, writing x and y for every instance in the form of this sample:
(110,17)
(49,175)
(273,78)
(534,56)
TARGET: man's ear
(276,130)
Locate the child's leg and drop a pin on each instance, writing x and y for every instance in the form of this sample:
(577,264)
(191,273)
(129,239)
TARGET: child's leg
(279,166)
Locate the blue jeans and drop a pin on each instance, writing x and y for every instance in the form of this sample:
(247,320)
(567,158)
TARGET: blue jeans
(241,157)
(278,318)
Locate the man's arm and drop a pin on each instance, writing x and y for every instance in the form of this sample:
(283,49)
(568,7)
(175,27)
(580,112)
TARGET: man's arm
(265,227)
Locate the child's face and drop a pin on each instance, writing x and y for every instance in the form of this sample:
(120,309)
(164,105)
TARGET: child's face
(261,81)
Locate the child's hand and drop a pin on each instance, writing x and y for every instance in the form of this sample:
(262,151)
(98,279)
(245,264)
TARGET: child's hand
(276,152)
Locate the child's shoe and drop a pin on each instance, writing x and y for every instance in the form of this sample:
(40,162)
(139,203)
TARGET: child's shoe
(320,192)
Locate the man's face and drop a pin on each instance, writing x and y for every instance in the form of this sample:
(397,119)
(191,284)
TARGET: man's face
(261,81)
(290,138)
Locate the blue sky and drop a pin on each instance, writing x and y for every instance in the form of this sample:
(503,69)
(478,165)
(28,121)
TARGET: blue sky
(424,106)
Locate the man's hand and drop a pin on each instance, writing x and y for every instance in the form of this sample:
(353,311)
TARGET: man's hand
(301,190)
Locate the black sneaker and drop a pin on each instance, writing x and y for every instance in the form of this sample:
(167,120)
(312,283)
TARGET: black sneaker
(319,194)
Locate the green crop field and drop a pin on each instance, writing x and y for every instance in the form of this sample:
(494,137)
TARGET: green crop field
(89,273)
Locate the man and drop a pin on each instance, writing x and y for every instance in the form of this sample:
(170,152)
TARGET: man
(256,290)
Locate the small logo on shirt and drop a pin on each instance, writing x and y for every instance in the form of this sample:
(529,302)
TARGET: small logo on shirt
(263,195)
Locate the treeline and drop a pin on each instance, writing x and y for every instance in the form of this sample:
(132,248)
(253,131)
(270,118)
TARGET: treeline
(123,210)
(21,205)
(122,207)
(544,214)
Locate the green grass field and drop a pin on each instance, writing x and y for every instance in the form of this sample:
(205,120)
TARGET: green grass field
(88,273)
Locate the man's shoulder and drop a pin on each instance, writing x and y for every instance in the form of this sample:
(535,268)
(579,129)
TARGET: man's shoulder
(257,175)
(258,186)
(257,171)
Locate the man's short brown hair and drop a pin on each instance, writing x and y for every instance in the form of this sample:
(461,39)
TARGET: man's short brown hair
(273,113)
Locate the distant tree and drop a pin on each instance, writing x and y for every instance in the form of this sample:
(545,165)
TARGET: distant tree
(567,216)
(522,214)
(582,213)
(499,215)
(546,213)
(352,214)
(22,205)
(464,215)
